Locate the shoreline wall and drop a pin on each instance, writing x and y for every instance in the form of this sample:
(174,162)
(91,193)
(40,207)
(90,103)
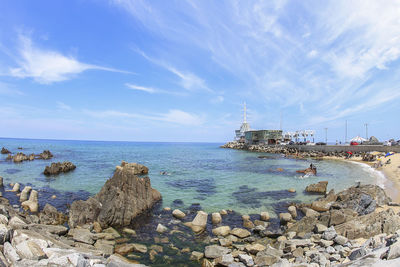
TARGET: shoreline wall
(339,148)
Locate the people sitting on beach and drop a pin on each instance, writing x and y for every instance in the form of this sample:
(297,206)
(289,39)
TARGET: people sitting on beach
(378,163)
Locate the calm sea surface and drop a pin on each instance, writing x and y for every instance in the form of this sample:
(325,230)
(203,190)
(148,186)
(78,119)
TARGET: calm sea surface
(201,173)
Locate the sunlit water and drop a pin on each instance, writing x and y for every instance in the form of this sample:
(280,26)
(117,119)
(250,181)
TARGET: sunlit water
(201,173)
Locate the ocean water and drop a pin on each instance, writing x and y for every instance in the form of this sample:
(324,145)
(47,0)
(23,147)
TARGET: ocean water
(184,173)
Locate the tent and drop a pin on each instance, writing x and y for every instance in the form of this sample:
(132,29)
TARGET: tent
(358,139)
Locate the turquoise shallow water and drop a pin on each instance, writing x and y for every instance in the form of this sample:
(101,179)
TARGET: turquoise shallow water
(201,173)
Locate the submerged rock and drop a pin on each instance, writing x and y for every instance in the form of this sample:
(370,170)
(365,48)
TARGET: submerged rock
(122,198)
(46,154)
(57,168)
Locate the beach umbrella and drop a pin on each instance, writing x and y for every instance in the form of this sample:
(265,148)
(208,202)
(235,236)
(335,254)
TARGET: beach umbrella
(358,139)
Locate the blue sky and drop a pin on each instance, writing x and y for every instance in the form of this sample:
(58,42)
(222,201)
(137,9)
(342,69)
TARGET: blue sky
(181,70)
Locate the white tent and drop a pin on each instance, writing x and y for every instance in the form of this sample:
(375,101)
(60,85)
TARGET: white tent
(358,139)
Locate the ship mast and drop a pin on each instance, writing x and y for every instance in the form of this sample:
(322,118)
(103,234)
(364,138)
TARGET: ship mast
(244,113)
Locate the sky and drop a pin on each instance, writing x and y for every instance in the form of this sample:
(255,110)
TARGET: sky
(181,70)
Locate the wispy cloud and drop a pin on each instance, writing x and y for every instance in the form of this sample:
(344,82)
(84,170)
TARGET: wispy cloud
(323,65)
(48,66)
(173,116)
(141,88)
(63,106)
(7,89)
(188,80)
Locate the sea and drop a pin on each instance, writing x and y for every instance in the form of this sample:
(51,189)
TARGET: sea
(186,174)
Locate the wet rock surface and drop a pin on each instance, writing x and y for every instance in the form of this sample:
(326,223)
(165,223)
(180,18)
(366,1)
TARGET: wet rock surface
(122,198)
(59,167)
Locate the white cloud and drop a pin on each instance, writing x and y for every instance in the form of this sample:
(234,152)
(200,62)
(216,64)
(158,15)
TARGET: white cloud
(188,80)
(312,53)
(63,106)
(174,116)
(47,66)
(326,61)
(141,88)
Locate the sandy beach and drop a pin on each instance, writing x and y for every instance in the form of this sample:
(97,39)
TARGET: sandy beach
(391,172)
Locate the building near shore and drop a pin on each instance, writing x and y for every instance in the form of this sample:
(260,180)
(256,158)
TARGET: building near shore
(263,137)
(252,137)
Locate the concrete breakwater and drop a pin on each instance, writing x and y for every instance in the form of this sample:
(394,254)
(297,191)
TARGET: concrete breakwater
(313,148)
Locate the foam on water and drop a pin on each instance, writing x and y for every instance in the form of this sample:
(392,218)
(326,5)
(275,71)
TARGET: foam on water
(379,176)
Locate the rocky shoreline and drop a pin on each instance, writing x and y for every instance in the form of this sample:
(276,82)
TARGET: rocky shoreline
(357,226)
(123,225)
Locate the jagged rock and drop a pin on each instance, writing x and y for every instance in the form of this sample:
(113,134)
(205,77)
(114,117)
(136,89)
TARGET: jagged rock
(196,256)
(216,218)
(82,235)
(46,154)
(329,233)
(246,259)
(319,188)
(357,253)
(199,222)
(16,223)
(394,251)
(178,214)
(30,250)
(341,240)
(19,157)
(215,251)
(161,228)
(254,248)
(50,215)
(264,216)
(5,151)
(320,228)
(285,217)
(292,210)
(370,225)
(221,231)
(59,167)
(5,234)
(122,198)
(10,253)
(241,233)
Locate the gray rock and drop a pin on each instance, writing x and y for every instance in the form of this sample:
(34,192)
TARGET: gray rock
(282,263)
(30,250)
(357,253)
(121,199)
(341,240)
(225,260)
(320,228)
(246,259)
(330,250)
(10,253)
(5,233)
(329,234)
(215,251)
(161,228)
(394,251)
(82,235)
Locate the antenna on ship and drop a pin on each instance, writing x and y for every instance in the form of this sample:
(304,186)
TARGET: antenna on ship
(245,114)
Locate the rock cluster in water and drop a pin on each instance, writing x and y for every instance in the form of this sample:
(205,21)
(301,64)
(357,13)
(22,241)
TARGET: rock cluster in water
(122,198)
(59,167)
(5,151)
(20,157)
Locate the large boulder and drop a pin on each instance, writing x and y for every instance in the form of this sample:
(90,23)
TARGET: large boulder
(362,199)
(59,167)
(319,188)
(369,225)
(46,154)
(19,157)
(5,151)
(122,198)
